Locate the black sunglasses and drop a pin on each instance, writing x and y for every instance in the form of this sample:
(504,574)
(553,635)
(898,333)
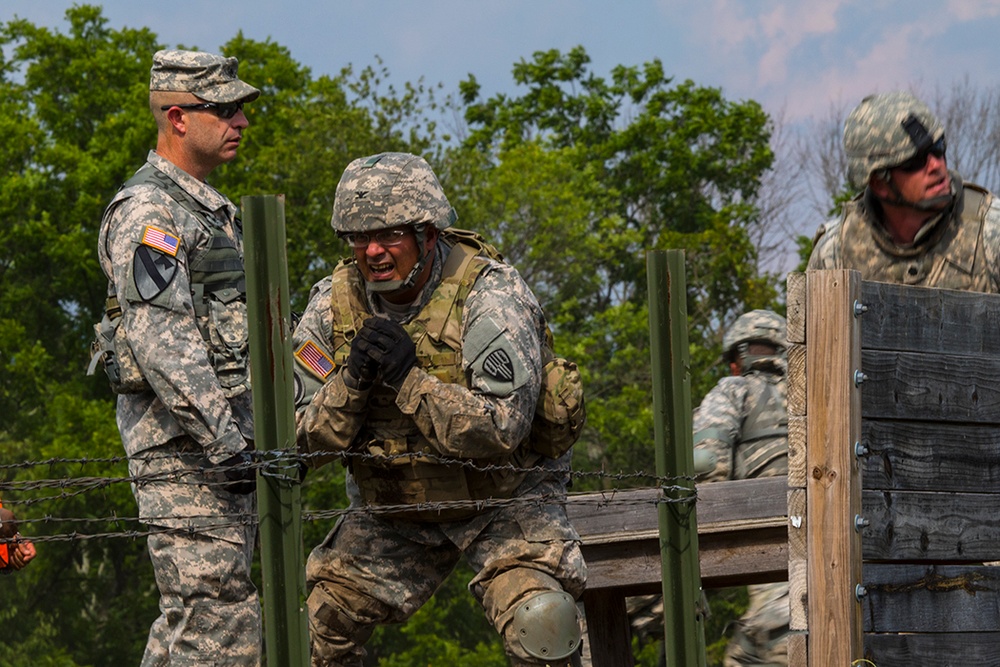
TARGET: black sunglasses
(222,110)
(919,161)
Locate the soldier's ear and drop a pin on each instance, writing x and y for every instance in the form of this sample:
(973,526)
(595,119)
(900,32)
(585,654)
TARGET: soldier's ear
(879,185)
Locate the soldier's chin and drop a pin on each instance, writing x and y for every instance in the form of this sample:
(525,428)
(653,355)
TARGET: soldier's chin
(384,286)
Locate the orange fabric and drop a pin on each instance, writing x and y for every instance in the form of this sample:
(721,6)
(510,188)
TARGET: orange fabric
(4,554)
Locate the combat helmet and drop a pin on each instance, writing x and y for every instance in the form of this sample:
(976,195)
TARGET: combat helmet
(389,190)
(886,130)
(755,326)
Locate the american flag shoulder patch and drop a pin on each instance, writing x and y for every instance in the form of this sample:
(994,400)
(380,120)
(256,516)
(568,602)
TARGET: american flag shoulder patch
(161,240)
(315,359)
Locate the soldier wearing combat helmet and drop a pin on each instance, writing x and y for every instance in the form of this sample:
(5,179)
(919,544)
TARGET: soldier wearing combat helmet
(915,222)
(421,364)
(742,425)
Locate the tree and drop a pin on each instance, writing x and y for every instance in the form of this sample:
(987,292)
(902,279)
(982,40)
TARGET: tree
(582,175)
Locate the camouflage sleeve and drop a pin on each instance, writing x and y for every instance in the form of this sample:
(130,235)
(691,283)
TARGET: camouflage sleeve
(825,251)
(991,243)
(154,291)
(503,325)
(329,414)
(717,424)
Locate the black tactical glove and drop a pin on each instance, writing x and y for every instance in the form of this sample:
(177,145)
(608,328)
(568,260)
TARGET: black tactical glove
(361,369)
(390,346)
(238,473)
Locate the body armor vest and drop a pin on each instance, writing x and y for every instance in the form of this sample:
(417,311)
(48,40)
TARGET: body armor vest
(218,285)
(400,468)
(951,258)
(762,450)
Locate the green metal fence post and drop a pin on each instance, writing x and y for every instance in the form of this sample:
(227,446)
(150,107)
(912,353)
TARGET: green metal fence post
(683,615)
(286,634)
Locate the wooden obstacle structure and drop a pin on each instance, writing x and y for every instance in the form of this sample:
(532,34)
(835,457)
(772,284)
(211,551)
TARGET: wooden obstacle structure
(891,508)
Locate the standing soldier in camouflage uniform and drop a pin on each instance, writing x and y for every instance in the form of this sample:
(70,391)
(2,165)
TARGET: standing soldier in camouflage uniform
(742,425)
(916,223)
(174,343)
(420,363)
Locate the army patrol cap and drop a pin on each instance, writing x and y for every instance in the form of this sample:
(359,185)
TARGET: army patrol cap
(757,326)
(387,190)
(886,130)
(211,77)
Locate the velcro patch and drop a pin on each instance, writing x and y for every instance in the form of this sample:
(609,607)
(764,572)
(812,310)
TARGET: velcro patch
(315,359)
(161,240)
(152,272)
(499,365)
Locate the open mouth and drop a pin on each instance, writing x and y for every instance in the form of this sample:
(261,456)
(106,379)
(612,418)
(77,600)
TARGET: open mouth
(384,271)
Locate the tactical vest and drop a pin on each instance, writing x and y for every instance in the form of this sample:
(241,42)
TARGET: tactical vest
(218,291)
(400,468)
(952,258)
(762,450)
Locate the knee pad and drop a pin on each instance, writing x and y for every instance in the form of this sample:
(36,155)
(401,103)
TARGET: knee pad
(548,625)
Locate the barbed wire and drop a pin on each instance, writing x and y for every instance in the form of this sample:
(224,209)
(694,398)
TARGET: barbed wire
(284,466)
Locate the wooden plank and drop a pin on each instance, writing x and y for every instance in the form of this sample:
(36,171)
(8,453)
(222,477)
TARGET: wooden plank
(929,387)
(795,310)
(608,515)
(741,533)
(833,487)
(796,386)
(929,320)
(960,649)
(797,428)
(920,598)
(798,570)
(931,526)
(924,456)
(797,653)
(608,632)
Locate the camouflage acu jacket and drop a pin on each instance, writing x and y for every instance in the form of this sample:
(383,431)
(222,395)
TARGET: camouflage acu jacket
(149,248)
(743,421)
(959,249)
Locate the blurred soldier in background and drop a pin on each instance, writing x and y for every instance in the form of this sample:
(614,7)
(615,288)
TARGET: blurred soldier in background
(423,363)
(916,222)
(742,425)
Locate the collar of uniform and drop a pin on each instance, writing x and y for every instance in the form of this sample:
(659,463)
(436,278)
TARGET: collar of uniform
(929,232)
(206,195)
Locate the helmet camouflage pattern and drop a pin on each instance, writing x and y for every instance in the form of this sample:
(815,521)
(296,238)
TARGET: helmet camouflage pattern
(756,326)
(886,130)
(388,190)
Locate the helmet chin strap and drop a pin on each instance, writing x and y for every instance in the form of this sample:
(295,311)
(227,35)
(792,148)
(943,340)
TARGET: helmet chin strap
(929,205)
(388,286)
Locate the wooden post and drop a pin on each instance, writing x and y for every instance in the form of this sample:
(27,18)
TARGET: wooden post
(833,484)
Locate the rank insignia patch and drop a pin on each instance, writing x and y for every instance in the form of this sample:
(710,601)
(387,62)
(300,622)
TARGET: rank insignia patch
(315,359)
(162,241)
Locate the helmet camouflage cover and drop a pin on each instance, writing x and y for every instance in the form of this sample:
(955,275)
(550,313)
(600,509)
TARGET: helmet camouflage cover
(884,131)
(388,190)
(756,326)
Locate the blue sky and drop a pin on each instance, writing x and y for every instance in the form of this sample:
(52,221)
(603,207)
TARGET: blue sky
(797,58)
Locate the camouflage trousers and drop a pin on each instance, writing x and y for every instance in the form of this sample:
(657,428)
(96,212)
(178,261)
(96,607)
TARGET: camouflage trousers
(761,636)
(371,571)
(209,609)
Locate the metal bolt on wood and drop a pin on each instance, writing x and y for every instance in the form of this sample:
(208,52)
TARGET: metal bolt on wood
(859,309)
(859,378)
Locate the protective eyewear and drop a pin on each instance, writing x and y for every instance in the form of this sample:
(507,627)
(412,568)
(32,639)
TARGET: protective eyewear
(223,110)
(384,237)
(919,161)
